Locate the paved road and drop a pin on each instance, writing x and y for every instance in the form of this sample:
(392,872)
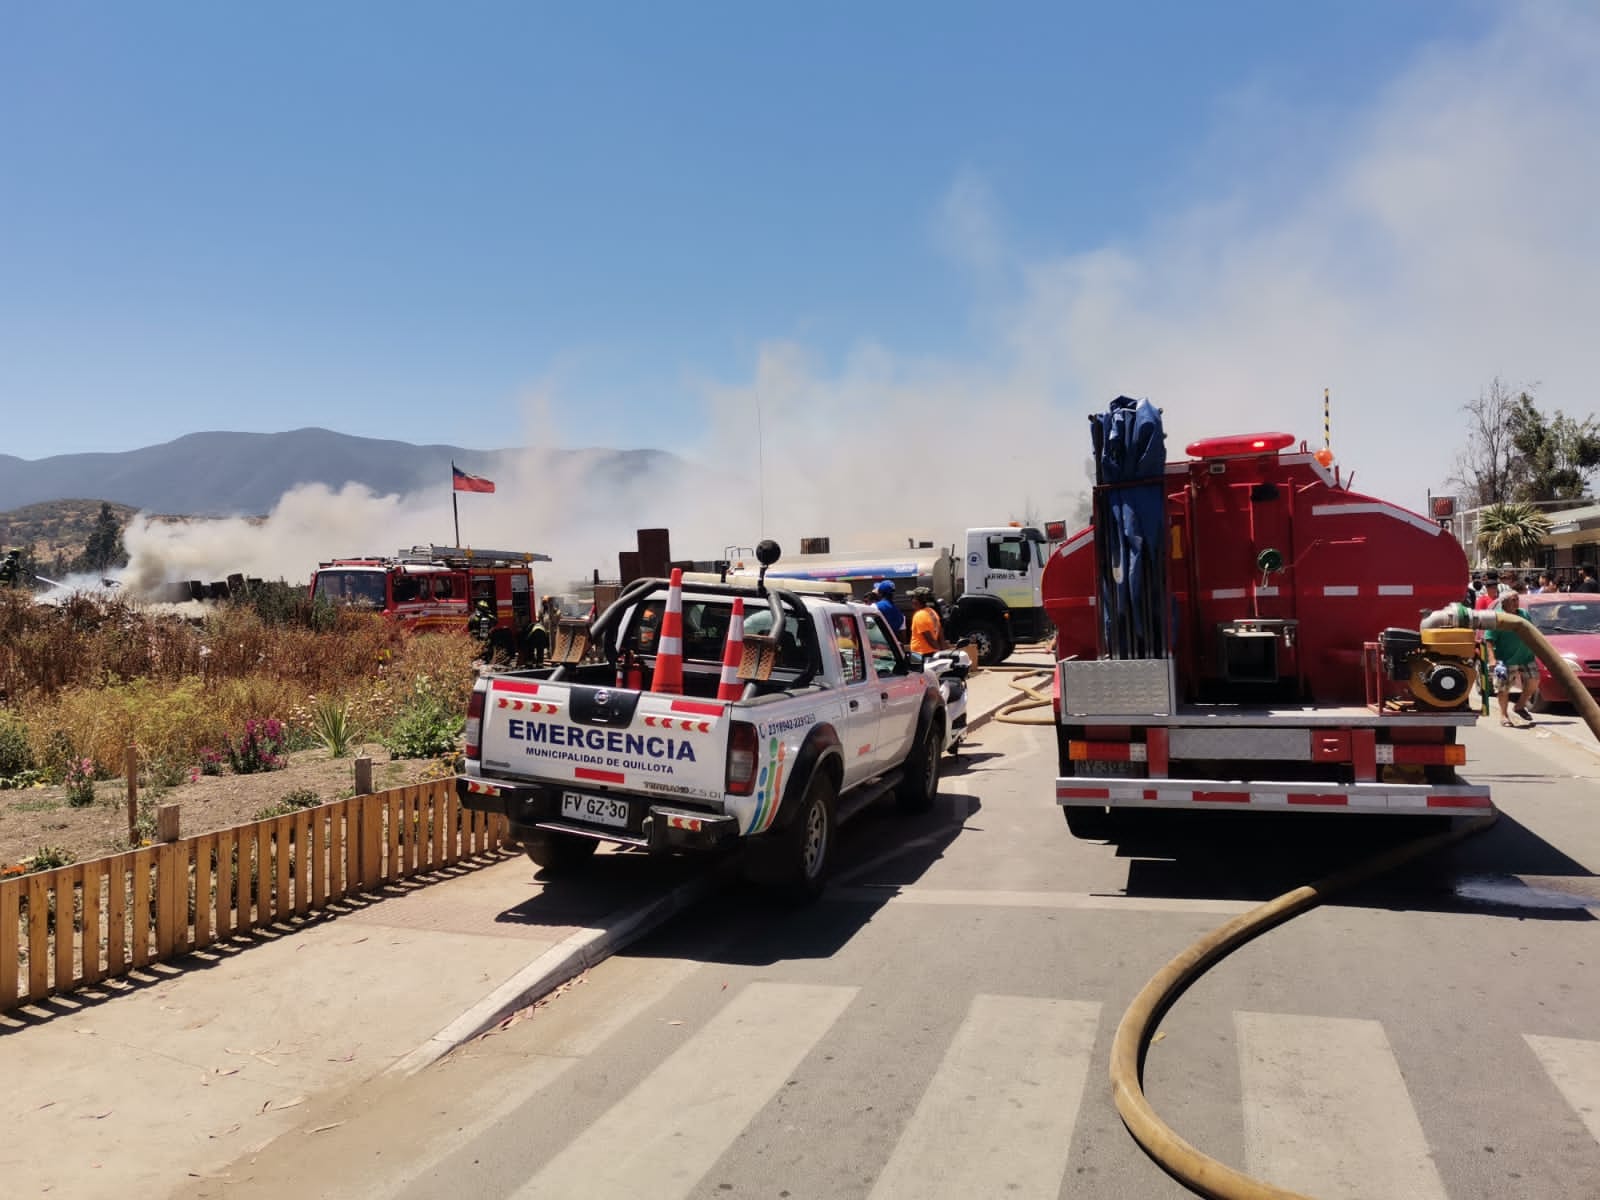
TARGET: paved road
(939,1025)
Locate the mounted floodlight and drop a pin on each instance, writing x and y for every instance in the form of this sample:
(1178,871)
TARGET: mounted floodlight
(767,553)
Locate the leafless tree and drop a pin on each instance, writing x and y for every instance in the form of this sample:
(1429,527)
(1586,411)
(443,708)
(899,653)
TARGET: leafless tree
(1486,469)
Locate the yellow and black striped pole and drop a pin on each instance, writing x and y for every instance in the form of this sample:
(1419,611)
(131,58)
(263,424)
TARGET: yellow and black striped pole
(1327,441)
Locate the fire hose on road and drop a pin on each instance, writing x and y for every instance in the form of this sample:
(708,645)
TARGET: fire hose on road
(1190,1166)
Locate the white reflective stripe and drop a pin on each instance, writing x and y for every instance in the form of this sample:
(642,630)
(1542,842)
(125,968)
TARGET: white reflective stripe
(1402,800)
(1574,1067)
(730,673)
(1314,1087)
(1016,1066)
(1341,589)
(1228,594)
(1395,589)
(1078,543)
(1381,510)
(1270,799)
(1310,460)
(660,1138)
(1266,591)
(670,645)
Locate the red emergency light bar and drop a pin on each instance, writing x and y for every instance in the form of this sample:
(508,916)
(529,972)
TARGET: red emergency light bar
(1238,444)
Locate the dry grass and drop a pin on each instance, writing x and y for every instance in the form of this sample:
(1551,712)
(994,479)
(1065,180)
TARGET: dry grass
(95,675)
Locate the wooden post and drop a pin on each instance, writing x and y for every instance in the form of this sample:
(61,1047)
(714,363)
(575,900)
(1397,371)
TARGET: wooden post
(166,822)
(364,775)
(130,767)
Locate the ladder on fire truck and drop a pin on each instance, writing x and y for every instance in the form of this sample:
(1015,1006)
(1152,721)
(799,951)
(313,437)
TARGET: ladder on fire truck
(465,557)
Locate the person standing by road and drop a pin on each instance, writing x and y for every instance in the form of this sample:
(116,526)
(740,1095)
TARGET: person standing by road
(1514,666)
(1490,592)
(892,616)
(927,629)
(550,616)
(1588,583)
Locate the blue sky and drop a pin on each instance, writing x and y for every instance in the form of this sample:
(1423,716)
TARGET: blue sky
(627,225)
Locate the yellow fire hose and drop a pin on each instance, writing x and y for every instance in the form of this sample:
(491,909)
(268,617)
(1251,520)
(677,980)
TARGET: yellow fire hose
(1193,1168)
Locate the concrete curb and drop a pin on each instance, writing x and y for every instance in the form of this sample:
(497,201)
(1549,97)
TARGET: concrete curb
(553,968)
(579,953)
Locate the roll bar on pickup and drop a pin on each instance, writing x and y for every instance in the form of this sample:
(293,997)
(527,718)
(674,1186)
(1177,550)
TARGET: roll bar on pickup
(603,629)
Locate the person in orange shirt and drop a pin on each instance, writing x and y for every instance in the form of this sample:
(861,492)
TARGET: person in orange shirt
(927,630)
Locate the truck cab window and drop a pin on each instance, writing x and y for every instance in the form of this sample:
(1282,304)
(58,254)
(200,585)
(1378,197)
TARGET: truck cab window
(407,589)
(444,588)
(1008,554)
(885,656)
(851,660)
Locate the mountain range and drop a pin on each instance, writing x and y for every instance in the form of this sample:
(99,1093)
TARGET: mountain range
(231,474)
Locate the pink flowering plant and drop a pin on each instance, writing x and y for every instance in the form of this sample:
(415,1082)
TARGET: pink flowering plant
(80,782)
(261,749)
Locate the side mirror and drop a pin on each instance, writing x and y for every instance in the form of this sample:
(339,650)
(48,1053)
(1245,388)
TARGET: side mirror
(915,661)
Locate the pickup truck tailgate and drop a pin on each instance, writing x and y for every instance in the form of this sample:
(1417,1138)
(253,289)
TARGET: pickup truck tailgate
(616,738)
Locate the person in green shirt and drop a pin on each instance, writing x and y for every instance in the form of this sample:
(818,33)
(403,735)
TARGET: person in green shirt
(1514,665)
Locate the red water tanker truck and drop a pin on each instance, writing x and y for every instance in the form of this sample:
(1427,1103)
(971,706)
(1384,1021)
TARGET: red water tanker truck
(1253,638)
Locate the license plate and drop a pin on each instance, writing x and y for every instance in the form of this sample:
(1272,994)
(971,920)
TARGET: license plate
(598,810)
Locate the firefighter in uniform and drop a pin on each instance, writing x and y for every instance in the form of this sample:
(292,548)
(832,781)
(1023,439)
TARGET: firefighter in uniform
(482,621)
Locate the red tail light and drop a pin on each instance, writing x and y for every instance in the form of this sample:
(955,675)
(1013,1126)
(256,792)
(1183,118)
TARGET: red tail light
(474,729)
(742,753)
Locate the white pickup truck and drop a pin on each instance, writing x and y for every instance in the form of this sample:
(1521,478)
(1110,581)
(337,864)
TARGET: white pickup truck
(833,715)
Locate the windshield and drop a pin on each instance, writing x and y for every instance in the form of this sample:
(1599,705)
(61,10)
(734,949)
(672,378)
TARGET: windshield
(705,630)
(1566,617)
(350,587)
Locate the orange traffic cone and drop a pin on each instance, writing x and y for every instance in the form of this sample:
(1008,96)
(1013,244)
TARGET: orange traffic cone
(732,687)
(669,645)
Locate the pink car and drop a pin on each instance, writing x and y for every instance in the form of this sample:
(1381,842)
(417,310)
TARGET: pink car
(1571,620)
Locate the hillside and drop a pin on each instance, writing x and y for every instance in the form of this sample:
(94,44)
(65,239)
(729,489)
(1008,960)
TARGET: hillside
(230,474)
(57,530)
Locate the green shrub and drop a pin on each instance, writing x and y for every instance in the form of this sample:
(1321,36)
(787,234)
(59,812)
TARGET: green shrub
(16,755)
(48,858)
(428,725)
(291,802)
(332,725)
(167,773)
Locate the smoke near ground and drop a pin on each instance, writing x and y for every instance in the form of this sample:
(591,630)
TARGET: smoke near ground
(1402,256)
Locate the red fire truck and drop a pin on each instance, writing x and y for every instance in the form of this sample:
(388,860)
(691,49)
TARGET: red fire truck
(436,587)
(1239,630)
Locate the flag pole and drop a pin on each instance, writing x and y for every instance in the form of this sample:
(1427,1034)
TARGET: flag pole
(455,506)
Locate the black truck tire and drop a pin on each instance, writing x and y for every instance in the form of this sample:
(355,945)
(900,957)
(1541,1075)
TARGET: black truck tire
(990,642)
(794,863)
(559,852)
(1090,824)
(919,779)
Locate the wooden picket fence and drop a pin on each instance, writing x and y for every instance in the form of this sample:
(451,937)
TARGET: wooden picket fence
(92,921)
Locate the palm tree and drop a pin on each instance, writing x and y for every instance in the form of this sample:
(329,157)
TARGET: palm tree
(1512,532)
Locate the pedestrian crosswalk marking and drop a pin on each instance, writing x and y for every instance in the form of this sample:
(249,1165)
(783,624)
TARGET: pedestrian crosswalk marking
(1326,1111)
(658,1140)
(997,1117)
(1574,1067)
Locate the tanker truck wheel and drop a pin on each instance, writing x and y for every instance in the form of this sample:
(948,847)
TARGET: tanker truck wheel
(990,643)
(1090,824)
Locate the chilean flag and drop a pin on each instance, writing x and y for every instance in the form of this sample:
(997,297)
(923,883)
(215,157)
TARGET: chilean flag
(462,482)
